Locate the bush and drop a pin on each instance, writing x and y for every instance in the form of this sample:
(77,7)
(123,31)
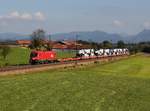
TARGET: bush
(146,49)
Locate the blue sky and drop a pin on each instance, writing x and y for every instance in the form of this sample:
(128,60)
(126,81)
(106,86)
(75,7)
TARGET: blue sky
(55,16)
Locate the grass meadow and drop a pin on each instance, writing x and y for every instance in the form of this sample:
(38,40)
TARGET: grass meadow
(17,55)
(118,86)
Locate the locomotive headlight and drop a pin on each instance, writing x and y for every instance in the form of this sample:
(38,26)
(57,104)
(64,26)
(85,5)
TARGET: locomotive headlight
(52,55)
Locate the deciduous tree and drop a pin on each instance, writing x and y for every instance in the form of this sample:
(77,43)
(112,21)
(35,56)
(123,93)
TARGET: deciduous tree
(37,39)
(5,50)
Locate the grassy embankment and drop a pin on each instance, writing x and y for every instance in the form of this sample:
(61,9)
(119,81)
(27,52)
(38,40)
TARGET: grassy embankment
(119,86)
(20,55)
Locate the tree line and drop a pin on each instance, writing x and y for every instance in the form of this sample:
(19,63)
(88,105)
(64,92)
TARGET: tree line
(133,47)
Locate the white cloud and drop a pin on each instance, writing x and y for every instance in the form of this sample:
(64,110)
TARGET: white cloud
(146,24)
(26,16)
(39,16)
(118,23)
(14,15)
(23,16)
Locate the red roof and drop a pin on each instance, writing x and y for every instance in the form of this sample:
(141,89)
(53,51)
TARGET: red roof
(23,42)
(59,46)
(56,44)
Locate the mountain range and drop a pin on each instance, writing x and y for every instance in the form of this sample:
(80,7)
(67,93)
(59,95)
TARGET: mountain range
(95,36)
(12,36)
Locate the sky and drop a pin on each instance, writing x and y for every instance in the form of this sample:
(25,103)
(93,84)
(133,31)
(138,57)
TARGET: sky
(58,16)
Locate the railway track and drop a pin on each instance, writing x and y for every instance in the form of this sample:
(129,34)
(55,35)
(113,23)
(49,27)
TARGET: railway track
(13,68)
(33,68)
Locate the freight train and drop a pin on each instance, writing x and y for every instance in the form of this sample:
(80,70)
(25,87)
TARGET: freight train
(46,57)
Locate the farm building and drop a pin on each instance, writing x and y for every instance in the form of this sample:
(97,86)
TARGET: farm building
(24,43)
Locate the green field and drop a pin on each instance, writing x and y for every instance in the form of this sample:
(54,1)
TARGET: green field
(119,86)
(16,56)
(20,55)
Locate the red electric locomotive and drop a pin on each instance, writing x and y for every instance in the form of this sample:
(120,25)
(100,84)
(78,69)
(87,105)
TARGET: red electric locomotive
(42,57)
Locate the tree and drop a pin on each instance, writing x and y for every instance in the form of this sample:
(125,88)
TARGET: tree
(95,45)
(120,44)
(5,50)
(100,45)
(37,39)
(146,49)
(133,48)
(107,44)
(48,46)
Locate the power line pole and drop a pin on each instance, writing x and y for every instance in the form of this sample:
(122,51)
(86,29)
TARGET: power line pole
(76,47)
(50,41)
(49,37)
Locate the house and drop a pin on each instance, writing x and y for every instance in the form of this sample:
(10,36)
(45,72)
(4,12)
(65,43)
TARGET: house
(24,43)
(72,45)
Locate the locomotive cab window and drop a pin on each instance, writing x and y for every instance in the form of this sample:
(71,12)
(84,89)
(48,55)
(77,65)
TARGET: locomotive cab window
(33,55)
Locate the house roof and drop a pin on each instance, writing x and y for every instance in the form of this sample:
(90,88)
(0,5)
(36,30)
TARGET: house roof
(22,42)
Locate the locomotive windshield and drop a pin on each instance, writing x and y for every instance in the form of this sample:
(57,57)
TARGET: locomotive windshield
(33,55)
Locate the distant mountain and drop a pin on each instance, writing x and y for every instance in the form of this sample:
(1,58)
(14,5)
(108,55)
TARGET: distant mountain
(12,36)
(95,36)
(142,36)
(99,36)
